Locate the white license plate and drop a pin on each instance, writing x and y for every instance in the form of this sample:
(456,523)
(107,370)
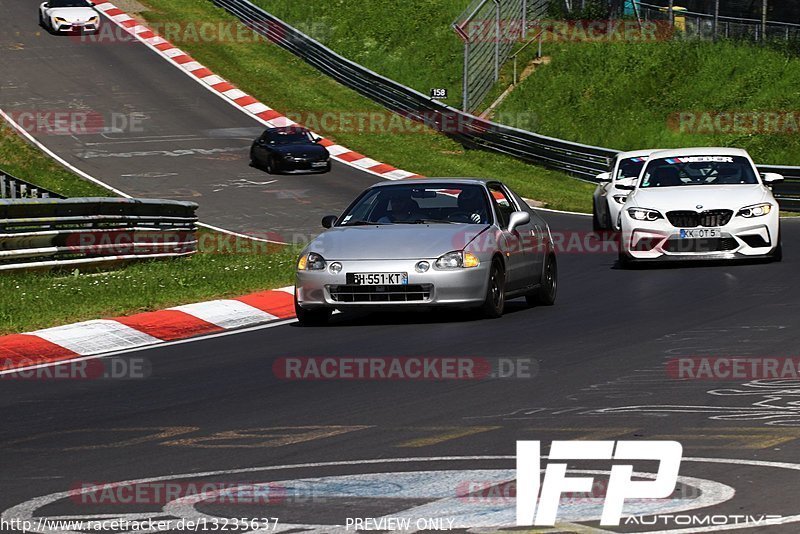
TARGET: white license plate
(319,163)
(701,233)
(377,279)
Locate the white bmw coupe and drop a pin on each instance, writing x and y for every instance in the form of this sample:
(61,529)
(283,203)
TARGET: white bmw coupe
(701,204)
(67,16)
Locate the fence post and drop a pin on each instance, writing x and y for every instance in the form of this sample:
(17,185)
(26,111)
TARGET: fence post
(764,19)
(496,40)
(716,19)
(671,13)
(3,179)
(524,20)
(465,90)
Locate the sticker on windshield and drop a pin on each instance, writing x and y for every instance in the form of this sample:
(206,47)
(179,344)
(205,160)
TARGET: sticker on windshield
(701,159)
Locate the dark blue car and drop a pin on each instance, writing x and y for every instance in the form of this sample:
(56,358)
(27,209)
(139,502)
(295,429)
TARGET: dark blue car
(289,149)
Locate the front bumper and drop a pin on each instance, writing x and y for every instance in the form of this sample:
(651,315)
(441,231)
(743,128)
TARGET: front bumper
(660,241)
(70,27)
(458,288)
(302,166)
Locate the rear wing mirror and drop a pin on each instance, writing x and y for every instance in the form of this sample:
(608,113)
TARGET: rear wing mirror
(603,177)
(627,184)
(772,178)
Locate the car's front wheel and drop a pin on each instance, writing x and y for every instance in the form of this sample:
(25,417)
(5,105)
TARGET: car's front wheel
(495,300)
(777,254)
(270,167)
(313,317)
(545,294)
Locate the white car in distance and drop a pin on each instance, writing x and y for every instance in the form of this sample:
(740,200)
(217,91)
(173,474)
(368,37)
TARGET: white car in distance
(614,186)
(69,16)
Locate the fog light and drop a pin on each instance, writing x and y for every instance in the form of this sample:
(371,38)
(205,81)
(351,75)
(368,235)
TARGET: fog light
(422,266)
(336,267)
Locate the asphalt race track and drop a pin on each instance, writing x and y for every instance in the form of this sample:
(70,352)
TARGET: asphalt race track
(159,133)
(213,410)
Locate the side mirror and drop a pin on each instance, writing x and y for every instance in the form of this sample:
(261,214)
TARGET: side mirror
(604,177)
(328,221)
(317,139)
(518,218)
(772,178)
(626,184)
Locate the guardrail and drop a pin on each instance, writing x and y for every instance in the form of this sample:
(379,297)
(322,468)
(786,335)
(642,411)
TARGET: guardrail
(49,233)
(12,187)
(582,161)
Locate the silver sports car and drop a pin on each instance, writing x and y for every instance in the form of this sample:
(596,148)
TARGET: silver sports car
(465,243)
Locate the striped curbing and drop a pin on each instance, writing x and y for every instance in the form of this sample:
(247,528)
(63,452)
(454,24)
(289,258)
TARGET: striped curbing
(102,336)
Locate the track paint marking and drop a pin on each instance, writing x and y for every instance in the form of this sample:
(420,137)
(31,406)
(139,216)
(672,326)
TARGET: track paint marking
(443,434)
(256,438)
(154,434)
(737,438)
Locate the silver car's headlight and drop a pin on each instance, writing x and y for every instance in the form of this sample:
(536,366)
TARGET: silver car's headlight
(644,214)
(757,210)
(620,198)
(311,262)
(457,260)
(59,20)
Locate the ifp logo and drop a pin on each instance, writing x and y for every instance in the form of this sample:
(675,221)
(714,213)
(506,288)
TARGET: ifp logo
(620,485)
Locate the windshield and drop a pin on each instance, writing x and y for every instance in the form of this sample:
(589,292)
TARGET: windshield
(630,168)
(289,137)
(69,3)
(416,204)
(698,170)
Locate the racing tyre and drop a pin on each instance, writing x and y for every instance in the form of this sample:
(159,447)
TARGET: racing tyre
(270,167)
(317,317)
(545,294)
(596,226)
(777,254)
(495,300)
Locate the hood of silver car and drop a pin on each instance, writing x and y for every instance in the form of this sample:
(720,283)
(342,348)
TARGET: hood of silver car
(393,241)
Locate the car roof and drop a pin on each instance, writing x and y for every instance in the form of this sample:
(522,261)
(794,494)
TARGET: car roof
(438,180)
(638,153)
(700,151)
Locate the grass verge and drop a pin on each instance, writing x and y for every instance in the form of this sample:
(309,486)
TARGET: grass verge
(294,88)
(630,95)
(30,301)
(25,162)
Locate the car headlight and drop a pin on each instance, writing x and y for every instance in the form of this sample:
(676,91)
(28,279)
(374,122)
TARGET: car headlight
(60,20)
(758,210)
(457,260)
(311,262)
(620,198)
(94,20)
(644,214)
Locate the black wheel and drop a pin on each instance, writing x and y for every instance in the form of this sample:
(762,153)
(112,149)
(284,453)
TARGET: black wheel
(270,168)
(316,317)
(777,255)
(328,167)
(495,300)
(254,160)
(596,226)
(545,294)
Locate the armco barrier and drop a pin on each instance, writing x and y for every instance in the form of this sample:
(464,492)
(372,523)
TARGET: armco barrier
(580,160)
(12,187)
(48,233)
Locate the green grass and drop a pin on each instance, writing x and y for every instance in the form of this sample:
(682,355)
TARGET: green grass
(25,162)
(623,95)
(31,301)
(411,42)
(294,88)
